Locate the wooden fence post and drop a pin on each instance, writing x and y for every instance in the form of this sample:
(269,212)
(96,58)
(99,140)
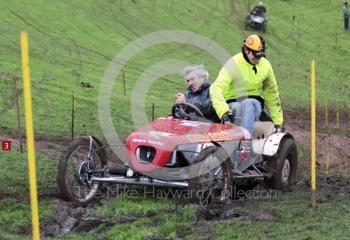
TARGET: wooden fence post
(337,116)
(72,127)
(18,113)
(326,113)
(123,77)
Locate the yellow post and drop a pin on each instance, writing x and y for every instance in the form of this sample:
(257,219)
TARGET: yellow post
(30,136)
(313,134)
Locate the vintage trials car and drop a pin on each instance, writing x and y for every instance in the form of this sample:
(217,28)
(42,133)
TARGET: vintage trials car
(183,151)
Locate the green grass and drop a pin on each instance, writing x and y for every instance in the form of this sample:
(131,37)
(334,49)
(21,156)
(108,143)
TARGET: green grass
(15,212)
(295,219)
(14,173)
(15,216)
(75,41)
(72,43)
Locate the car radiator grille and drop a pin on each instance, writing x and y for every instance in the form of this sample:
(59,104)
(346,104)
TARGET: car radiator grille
(145,154)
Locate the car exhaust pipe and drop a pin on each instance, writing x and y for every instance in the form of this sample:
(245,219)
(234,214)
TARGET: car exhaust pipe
(145,181)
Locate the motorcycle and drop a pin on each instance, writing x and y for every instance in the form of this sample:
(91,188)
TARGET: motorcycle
(256,21)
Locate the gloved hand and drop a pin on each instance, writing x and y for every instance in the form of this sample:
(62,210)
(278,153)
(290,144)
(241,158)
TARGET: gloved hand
(228,117)
(278,129)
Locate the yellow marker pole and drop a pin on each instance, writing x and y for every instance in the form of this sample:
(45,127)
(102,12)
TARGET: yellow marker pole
(30,136)
(313,134)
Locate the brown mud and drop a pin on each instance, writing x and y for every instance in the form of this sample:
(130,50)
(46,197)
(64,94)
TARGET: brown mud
(332,143)
(328,188)
(70,218)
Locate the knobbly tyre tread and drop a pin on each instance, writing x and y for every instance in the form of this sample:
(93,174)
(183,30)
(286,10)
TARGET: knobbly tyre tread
(288,149)
(193,184)
(63,188)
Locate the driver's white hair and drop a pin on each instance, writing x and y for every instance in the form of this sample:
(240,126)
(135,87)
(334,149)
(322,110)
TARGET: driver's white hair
(200,71)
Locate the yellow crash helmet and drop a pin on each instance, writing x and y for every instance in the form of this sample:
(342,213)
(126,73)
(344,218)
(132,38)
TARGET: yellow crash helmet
(254,42)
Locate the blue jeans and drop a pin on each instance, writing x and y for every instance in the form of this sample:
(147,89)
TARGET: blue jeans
(247,112)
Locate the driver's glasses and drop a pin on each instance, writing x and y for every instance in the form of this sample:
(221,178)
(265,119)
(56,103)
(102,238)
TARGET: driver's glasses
(191,79)
(257,54)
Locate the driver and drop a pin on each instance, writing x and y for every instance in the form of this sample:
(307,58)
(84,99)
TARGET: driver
(244,84)
(197,92)
(259,10)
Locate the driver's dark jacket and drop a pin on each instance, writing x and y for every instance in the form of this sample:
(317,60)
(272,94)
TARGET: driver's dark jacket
(201,99)
(259,10)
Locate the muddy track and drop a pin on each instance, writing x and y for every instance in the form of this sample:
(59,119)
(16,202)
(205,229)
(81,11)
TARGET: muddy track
(328,187)
(70,218)
(25,197)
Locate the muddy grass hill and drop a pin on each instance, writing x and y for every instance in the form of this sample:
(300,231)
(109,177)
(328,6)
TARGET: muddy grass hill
(75,45)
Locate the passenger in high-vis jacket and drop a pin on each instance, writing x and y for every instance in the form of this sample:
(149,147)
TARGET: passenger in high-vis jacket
(245,84)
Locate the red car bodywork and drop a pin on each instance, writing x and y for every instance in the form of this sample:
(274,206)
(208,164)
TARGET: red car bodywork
(164,134)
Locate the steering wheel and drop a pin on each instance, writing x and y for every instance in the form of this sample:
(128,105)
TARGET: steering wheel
(186,111)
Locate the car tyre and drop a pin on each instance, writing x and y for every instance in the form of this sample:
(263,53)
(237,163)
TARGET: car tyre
(73,184)
(283,166)
(211,186)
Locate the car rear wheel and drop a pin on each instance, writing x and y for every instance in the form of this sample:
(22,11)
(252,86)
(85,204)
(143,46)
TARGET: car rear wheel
(213,177)
(283,166)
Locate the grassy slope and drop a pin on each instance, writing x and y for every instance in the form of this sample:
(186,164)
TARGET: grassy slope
(14,191)
(74,42)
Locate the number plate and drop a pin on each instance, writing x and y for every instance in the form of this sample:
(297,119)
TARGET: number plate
(6,145)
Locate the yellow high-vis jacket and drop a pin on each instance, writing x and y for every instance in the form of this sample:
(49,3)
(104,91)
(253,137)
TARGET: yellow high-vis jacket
(239,79)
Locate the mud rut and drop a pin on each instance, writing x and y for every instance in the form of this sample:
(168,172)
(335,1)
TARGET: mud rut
(70,218)
(298,124)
